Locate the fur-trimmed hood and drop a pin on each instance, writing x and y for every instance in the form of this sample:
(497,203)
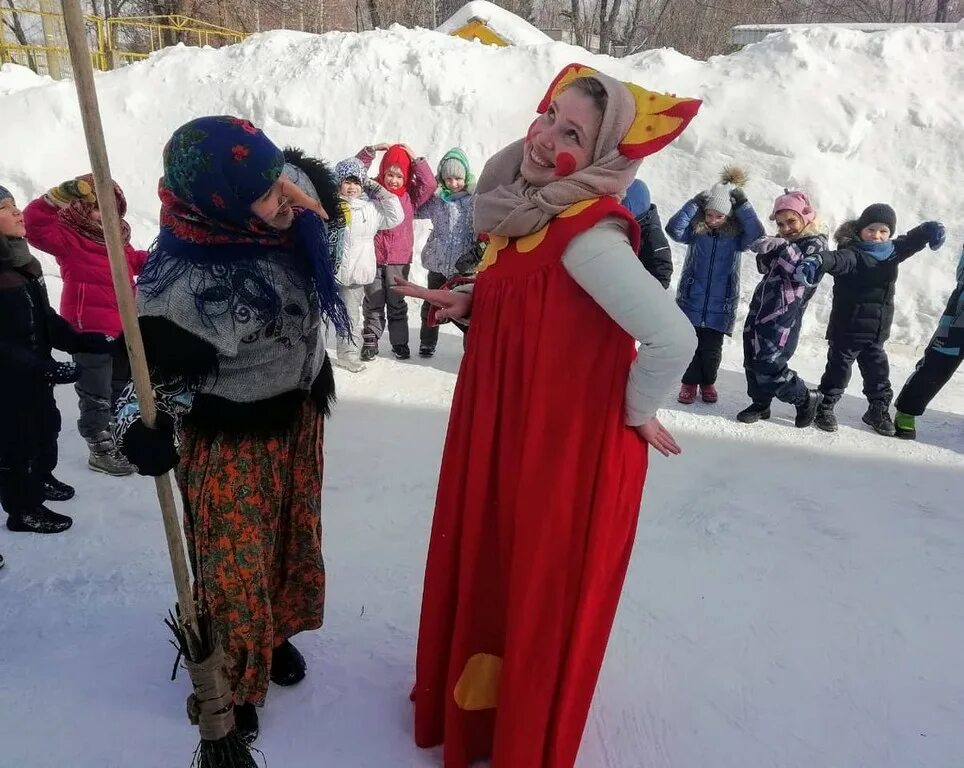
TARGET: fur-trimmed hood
(323,180)
(847,234)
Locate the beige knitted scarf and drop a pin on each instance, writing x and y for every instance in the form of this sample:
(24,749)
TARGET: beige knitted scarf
(508,205)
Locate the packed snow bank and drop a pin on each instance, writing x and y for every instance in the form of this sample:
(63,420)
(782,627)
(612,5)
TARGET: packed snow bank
(506,24)
(854,118)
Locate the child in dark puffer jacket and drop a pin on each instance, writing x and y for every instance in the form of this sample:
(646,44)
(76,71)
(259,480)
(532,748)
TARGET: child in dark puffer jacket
(654,253)
(941,359)
(29,330)
(717,225)
(865,270)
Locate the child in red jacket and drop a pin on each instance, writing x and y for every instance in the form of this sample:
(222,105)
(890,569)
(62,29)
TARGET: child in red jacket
(413,181)
(66,223)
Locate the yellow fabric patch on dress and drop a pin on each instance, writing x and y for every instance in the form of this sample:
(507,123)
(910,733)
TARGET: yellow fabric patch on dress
(478,685)
(531,242)
(491,254)
(575,210)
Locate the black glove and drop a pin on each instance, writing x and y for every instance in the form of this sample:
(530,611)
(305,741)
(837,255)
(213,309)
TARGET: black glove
(737,197)
(98,343)
(61,373)
(151,451)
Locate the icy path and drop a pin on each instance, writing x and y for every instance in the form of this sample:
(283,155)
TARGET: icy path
(795,600)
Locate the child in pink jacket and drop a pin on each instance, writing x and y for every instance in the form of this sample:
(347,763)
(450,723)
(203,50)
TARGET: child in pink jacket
(412,179)
(66,223)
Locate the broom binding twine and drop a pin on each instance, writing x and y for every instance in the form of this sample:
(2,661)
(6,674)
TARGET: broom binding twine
(211,706)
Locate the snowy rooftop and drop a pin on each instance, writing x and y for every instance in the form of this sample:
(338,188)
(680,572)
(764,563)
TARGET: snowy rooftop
(507,25)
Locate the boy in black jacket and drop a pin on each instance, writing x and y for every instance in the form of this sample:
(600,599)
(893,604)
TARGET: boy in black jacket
(865,270)
(654,252)
(29,329)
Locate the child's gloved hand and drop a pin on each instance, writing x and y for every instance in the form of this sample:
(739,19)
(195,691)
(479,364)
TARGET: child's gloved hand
(61,373)
(152,451)
(69,191)
(737,197)
(936,234)
(766,244)
(808,270)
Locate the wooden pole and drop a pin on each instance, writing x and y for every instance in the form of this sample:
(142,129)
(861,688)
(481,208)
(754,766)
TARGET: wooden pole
(97,149)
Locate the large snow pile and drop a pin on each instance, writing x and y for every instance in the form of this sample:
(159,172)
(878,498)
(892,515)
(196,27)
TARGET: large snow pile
(511,28)
(795,599)
(852,117)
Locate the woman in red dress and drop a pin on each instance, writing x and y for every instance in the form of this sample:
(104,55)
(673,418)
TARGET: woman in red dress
(545,458)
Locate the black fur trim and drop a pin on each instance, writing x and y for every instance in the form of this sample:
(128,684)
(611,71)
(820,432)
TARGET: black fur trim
(323,388)
(213,414)
(323,180)
(174,353)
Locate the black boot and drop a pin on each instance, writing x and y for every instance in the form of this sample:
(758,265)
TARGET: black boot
(753,413)
(825,418)
(426,350)
(39,520)
(369,352)
(246,722)
(287,665)
(807,410)
(878,417)
(54,490)
(401,351)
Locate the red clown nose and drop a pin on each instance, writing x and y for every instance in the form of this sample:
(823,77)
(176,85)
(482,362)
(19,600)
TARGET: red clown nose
(565,164)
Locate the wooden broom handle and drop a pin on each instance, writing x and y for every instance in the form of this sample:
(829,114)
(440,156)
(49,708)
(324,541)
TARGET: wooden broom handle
(97,149)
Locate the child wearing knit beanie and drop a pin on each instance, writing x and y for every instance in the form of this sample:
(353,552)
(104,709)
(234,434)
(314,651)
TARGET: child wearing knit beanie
(452,247)
(776,312)
(716,226)
(864,267)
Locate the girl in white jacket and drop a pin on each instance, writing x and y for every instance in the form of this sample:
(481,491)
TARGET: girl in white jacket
(371,207)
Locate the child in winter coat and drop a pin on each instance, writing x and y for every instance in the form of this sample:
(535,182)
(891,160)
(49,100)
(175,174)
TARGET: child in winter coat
(654,252)
(66,224)
(29,329)
(776,312)
(409,178)
(941,359)
(451,248)
(371,209)
(717,225)
(865,274)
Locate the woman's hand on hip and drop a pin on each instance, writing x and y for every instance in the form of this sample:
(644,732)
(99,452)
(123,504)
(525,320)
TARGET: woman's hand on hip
(654,433)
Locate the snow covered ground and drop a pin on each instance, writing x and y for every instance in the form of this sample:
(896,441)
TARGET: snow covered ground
(795,600)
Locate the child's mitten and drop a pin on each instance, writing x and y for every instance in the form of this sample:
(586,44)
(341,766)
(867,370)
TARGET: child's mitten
(808,270)
(61,373)
(69,191)
(936,234)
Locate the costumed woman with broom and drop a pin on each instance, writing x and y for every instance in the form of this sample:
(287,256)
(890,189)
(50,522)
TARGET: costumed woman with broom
(230,306)
(546,453)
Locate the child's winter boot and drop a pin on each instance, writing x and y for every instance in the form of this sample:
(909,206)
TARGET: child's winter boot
(39,520)
(401,351)
(878,417)
(807,410)
(55,490)
(708,393)
(105,458)
(825,419)
(754,413)
(687,394)
(426,350)
(246,722)
(905,426)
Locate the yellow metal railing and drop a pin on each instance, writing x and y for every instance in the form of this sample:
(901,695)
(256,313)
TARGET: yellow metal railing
(36,39)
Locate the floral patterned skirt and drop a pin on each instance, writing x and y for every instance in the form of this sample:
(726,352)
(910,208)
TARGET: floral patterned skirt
(252,517)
